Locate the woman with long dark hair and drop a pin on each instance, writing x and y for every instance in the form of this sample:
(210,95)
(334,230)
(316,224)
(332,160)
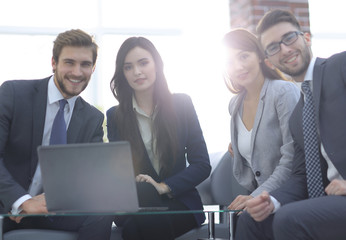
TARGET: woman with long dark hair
(164,132)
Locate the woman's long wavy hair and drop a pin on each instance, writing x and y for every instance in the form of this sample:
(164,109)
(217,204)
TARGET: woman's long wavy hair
(165,121)
(242,39)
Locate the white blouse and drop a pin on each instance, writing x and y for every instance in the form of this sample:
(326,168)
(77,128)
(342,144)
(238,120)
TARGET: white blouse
(244,140)
(146,129)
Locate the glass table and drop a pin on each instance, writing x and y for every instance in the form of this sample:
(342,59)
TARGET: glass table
(229,216)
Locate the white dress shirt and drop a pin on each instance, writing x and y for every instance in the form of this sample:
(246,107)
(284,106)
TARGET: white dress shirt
(146,129)
(52,108)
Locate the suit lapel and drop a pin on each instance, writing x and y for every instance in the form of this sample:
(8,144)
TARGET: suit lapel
(259,113)
(238,104)
(296,122)
(237,165)
(317,83)
(39,113)
(234,112)
(75,123)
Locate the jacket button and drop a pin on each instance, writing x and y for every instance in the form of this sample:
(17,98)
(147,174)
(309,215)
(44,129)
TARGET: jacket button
(258,173)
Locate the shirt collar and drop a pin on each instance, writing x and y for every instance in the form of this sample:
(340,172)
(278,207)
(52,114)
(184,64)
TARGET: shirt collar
(140,111)
(309,73)
(54,95)
(137,108)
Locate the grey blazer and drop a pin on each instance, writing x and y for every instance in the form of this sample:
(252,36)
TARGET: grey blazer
(271,141)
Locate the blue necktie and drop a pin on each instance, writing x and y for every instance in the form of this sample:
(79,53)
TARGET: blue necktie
(58,134)
(311,145)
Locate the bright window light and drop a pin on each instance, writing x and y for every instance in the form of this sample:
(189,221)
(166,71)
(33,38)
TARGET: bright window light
(187,33)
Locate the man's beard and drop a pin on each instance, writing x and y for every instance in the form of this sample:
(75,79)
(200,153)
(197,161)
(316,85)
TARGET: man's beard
(306,57)
(59,80)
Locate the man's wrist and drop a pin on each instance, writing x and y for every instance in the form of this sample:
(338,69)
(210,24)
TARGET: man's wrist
(17,205)
(276,204)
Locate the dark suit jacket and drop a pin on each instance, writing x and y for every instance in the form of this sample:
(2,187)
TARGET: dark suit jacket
(22,115)
(191,142)
(329,93)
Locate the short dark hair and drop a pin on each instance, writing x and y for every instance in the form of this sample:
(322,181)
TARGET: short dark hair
(274,17)
(75,38)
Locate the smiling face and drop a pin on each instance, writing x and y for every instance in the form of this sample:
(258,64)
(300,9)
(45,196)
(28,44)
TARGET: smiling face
(139,70)
(73,71)
(243,67)
(293,59)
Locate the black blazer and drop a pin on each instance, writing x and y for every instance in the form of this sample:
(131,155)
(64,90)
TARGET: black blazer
(22,115)
(191,143)
(329,92)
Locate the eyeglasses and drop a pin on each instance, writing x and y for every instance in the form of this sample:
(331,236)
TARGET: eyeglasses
(287,39)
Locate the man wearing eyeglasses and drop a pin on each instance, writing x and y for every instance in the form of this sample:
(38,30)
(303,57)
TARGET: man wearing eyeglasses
(312,203)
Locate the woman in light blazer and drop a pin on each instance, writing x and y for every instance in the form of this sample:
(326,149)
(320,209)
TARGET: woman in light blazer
(261,143)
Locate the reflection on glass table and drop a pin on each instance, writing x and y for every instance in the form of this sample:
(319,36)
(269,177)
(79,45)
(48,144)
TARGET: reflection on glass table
(229,214)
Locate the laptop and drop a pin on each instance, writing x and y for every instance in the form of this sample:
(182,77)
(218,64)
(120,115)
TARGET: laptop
(88,177)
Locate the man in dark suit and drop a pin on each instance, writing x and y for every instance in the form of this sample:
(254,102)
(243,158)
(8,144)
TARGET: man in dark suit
(27,112)
(296,211)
